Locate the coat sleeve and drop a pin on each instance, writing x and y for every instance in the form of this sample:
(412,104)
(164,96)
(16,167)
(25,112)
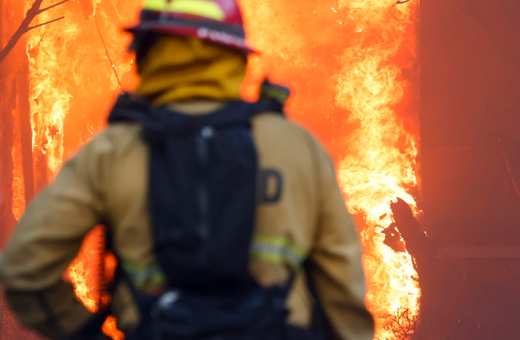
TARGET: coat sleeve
(47,240)
(335,263)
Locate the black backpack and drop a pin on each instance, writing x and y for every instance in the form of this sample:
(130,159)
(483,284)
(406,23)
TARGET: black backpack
(202,187)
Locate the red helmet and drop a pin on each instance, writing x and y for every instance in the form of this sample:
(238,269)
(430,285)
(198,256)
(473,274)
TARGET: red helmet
(215,21)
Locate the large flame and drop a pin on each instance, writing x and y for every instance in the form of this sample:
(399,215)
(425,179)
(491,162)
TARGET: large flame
(18,178)
(351,64)
(77,66)
(380,165)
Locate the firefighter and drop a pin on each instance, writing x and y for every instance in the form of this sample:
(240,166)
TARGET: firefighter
(290,220)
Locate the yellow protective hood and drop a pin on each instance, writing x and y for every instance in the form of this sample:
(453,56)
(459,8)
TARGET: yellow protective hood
(181,69)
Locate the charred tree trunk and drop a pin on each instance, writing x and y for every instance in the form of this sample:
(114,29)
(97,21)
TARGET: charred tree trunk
(7,103)
(418,245)
(22,85)
(6,163)
(14,86)
(14,100)
(25,27)
(423,251)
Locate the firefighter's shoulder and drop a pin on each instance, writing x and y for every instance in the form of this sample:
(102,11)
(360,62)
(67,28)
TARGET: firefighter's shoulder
(280,132)
(114,139)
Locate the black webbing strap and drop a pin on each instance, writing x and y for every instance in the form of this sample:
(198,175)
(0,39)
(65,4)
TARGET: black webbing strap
(319,324)
(52,317)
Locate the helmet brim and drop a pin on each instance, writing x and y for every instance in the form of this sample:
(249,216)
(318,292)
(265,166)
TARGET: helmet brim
(210,34)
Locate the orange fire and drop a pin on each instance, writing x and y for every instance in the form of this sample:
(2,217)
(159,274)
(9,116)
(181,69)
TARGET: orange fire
(380,165)
(351,65)
(77,67)
(18,178)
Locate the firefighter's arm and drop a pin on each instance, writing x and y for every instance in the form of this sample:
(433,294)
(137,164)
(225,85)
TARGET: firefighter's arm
(46,241)
(335,263)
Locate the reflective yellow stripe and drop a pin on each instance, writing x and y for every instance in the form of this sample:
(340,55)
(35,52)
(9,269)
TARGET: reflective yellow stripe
(145,278)
(277,250)
(203,8)
(280,242)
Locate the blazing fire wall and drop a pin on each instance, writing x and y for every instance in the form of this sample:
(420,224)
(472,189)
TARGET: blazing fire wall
(470,164)
(353,70)
(469,149)
(14,95)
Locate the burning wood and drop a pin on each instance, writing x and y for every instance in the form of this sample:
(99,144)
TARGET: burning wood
(417,243)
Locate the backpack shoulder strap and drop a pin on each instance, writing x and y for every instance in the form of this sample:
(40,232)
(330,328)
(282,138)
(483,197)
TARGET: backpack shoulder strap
(129,108)
(133,108)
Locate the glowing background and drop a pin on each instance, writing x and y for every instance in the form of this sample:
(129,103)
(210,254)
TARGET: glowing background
(353,70)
